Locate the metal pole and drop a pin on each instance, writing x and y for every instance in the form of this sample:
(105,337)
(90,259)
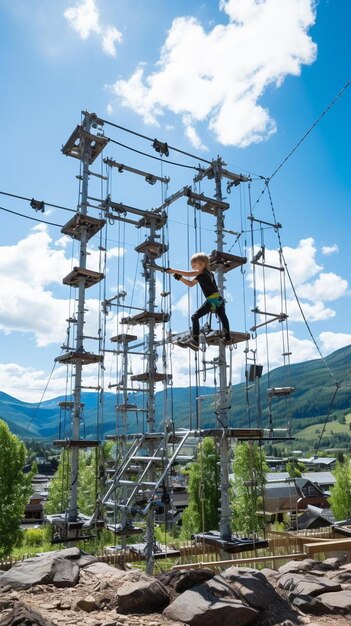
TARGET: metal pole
(151,368)
(73,507)
(222,415)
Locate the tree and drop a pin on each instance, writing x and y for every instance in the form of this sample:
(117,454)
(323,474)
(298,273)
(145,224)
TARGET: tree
(250,470)
(295,468)
(88,479)
(15,488)
(202,512)
(340,499)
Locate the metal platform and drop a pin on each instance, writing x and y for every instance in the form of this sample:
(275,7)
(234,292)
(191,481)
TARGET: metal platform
(232,545)
(75,226)
(75,277)
(126,531)
(280,391)
(160,551)
(76,443)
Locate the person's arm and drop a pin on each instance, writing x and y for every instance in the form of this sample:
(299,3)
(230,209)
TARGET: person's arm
(170,270)
(188,283)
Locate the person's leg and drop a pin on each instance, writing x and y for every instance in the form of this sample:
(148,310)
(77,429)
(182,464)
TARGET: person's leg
(225,322)
(203,310)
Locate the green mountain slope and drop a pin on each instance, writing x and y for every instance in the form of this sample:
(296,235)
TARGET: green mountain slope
(314,383)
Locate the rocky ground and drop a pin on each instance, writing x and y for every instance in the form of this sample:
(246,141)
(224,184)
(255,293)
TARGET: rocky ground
(70,588)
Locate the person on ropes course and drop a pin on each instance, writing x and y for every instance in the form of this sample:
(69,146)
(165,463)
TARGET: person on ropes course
(214,302)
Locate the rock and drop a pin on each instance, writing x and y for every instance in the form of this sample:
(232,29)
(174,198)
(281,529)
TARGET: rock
(23,615)
(200,606)
(252,586)
(339,602)
(87,604)
(307,585)
(46,569)
(308,604)
(179,581)
(297,566)
(104,571)
(341,576)
(334,562)
(144,596)
(86,559)
(269,573)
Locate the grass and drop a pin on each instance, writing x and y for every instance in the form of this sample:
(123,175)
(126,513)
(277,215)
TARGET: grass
(310,433)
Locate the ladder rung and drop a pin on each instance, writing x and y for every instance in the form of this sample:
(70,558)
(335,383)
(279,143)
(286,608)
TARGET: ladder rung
(148,459)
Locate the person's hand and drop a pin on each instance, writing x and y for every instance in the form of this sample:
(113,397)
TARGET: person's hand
(169,270)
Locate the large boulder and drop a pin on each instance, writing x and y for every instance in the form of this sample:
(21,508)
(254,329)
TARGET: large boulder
(144,596)
(181,580)
(251,586)
(103,571)
(212,604)
(51,568)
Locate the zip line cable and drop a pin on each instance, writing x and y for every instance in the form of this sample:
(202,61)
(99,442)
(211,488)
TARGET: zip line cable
(42,397)
(324,112)
(28,217)
(151,156)
(342,90)
(55,206)
(133,132)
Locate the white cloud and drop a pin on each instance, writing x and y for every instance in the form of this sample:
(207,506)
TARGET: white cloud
(218,76)
(28,302)
(333,341)
(84,18)
(327,287)
(327,250)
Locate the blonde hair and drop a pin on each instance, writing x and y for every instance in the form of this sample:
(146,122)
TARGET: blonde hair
(202,258)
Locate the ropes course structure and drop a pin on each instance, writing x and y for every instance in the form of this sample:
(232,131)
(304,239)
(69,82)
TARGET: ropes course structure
(137,485)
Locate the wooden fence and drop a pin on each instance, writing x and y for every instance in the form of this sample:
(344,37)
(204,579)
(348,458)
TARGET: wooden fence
(318,543)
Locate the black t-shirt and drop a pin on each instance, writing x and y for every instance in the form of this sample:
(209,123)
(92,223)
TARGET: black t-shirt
(207,282)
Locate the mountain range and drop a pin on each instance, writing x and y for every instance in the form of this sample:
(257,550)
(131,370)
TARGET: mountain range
(315,383)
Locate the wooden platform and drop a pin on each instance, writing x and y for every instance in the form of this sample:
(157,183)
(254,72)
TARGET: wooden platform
(123,338)
(147,377)
(145,317)
(74,146)
(74,356)
(75,277)
(74,226)
(76,443)
(206,204)
(215,338)
(126,531)
(154,249)
(226,261)
(155,220)
(234,433)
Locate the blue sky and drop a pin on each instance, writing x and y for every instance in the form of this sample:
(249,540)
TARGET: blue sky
(239,78)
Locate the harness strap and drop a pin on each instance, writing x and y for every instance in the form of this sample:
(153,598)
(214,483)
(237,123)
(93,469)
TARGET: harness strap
(215,300)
